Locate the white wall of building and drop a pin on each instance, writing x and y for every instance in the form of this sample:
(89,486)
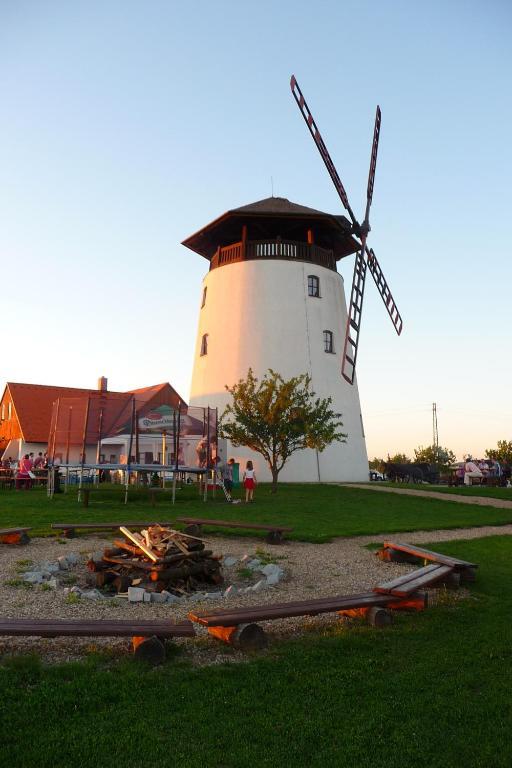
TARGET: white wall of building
(258,315)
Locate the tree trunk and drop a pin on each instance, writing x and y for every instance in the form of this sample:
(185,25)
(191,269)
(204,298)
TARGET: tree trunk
(275,475)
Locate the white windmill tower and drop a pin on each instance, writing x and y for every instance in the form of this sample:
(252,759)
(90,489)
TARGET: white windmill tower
(273,298)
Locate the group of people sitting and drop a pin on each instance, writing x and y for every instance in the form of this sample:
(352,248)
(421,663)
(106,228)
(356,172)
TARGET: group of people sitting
(26,469)
(482,469)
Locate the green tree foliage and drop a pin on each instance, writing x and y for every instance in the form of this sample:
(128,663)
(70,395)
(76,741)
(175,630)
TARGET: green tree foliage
(275,418)
(502,452)
(377,464)
(398,458)
(441,457)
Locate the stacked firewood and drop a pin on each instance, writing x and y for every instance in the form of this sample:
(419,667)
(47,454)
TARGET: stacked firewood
(156,559)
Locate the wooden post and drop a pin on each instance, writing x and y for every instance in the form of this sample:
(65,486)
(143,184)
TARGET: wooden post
(244,241)
(247,637)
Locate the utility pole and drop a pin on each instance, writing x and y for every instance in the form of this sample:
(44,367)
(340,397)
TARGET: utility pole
(435,432)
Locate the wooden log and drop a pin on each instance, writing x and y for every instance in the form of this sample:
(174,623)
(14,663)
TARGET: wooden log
(379,617)
(181,573)
(416,602)
(246,637)
(468,574)
(136,538)
(149,649)
(15,538)
(193,530)
(274,537)
(452,581)
(123,546)
(121,583)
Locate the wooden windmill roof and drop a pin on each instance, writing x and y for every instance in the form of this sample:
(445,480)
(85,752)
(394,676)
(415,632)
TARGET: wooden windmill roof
(272,217)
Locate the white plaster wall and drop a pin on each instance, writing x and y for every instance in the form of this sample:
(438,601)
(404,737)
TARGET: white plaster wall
(258,314)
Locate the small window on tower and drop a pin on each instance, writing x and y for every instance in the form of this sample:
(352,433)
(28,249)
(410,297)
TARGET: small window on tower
(204,345)
(9,410)
(203,302)
(328,342)
(313,286)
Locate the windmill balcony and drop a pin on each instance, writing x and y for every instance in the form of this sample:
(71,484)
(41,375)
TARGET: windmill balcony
(287,250)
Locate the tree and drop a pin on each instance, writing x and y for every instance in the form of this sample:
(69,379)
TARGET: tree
(377,464)
(275,418)
(502,452)
(398,458)
(441,457)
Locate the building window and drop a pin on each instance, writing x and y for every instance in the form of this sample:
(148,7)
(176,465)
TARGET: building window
(204,345)
(3,411)
(9,410)
(313,286)
(203,302)
(328,342)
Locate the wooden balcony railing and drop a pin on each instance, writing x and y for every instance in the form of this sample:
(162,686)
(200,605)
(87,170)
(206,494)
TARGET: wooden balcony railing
(286,250)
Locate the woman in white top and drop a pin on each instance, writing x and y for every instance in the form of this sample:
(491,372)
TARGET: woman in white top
(249,479)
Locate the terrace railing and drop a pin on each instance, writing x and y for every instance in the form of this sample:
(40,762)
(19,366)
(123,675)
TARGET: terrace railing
(285,250)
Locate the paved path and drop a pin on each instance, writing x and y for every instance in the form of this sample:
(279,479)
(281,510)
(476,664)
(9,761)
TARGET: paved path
(482,501)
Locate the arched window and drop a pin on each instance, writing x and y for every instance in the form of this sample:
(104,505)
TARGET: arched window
(203,302)
(204,345)
(328,342)
(313,286)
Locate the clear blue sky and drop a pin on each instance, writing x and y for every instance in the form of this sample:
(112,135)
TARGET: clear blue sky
(126,126)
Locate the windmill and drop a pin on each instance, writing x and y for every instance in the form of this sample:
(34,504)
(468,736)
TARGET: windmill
(365,257)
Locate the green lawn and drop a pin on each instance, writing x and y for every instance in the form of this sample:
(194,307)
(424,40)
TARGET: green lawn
(432,690)
(316,512)
(473,490)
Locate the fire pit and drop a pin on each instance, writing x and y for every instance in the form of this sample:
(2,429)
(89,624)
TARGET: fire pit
(156,559)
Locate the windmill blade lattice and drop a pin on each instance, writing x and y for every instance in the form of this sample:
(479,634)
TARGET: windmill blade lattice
(365,258)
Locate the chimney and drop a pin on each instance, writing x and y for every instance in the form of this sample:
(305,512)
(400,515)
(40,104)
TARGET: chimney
(102,383)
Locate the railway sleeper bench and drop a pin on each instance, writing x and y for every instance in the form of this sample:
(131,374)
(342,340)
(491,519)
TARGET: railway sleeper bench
(69,529)
(421,578)
(239,627)
(14,535)
(403,552)
(274,532)
(147,636)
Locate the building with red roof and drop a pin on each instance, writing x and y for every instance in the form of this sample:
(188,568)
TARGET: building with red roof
(26,410)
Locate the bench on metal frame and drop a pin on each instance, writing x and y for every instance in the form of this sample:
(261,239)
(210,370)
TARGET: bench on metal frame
(147,636)
(274,532)
(239,627)
(14,535)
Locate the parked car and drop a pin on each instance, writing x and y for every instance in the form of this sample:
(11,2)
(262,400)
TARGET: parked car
(374,475)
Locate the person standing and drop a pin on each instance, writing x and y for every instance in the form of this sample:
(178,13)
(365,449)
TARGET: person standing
(227,476)
(250,481)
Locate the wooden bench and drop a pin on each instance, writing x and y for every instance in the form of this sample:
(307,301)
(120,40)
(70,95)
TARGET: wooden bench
(69,529)
(401,551)
(237,626)
(6,478)
(274,532)
(406,585)
(147,635)
(14,535)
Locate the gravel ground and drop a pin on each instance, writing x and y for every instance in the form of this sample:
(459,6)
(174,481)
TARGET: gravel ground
(344,566)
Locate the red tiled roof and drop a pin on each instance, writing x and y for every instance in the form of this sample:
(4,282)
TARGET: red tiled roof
(33,403)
